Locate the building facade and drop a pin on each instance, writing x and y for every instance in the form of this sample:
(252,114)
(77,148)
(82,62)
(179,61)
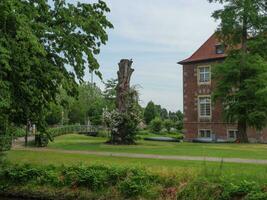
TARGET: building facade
(202,118)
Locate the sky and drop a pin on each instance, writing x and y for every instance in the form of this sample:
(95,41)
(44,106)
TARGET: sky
(156,34)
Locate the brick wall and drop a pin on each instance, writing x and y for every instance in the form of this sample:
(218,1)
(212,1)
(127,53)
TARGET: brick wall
(191,91)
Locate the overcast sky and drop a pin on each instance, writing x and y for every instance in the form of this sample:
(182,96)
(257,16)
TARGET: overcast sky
(156,34)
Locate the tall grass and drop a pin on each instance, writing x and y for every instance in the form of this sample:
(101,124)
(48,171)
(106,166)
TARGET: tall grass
(130,182)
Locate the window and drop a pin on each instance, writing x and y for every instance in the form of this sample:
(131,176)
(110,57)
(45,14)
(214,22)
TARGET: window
(205,133)
(204,106)
(232,134)
(219,49)
(204,74)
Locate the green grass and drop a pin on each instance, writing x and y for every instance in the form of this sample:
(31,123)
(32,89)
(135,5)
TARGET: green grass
(249,171)
(81,142)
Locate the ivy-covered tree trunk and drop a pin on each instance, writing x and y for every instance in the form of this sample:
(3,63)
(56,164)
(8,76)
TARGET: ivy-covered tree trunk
(119,136)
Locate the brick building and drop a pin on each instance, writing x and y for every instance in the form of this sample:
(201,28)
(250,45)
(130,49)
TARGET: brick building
(203,120)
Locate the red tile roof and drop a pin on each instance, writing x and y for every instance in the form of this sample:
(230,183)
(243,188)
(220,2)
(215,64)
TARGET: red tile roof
(206,52)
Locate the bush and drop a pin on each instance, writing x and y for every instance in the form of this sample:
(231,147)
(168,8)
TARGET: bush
(17,132)
(5,142)
(103,133)
(42,139)
(156,125)
(168,124)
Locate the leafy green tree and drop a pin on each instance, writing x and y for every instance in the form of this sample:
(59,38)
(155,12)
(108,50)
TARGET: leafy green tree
(88,106)
(164,114)
(150,112)
(180,115)
(156,125)
(110,93)
(242,77)
(44,47)
(54,114)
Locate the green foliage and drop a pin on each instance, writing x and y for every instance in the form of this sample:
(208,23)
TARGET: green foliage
(89,105)
(156,125)
(5,142)
(150,112)
(125,182)
(54,114)
(238,16)
(129,182)
(124,126)
(168,124)
(110,93)
(137,183)
(246,103)
(45,47)
(243,32)
(179,125)
(42,139)
(16,132)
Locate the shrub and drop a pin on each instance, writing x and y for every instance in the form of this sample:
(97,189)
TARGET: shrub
(42,139)
(103,133)
(17,132)
(5,142)
(156,125)
(168,124)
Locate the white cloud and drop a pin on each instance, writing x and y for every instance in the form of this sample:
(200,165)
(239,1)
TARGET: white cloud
(156,34)
(170,23)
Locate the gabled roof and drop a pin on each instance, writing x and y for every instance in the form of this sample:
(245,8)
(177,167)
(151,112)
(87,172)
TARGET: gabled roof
(206,52)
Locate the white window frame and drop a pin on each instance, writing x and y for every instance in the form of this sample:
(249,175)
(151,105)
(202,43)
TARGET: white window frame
(228,134)
(200,82)
(199,107)
(199,133)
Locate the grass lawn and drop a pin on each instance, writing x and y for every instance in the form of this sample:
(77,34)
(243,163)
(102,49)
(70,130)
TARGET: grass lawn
(81,142)
(246,171)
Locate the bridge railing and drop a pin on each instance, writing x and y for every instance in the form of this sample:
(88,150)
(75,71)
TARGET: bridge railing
(85,129)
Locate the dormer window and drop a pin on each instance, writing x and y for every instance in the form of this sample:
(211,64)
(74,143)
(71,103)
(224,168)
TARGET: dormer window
(219,49)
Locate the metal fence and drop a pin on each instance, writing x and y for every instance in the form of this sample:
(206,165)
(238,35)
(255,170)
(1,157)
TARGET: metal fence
(84,129)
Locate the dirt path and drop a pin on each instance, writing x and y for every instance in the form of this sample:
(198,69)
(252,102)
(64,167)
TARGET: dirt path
(145,156)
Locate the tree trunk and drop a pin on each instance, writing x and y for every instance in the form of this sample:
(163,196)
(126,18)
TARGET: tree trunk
(122,89)
(242,125)
(242,132)
(124,76)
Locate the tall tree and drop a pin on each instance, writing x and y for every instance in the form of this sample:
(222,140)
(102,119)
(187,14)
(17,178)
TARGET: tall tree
(110,93)
(88,106)
(242,77)
(150,112)
(44,47)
